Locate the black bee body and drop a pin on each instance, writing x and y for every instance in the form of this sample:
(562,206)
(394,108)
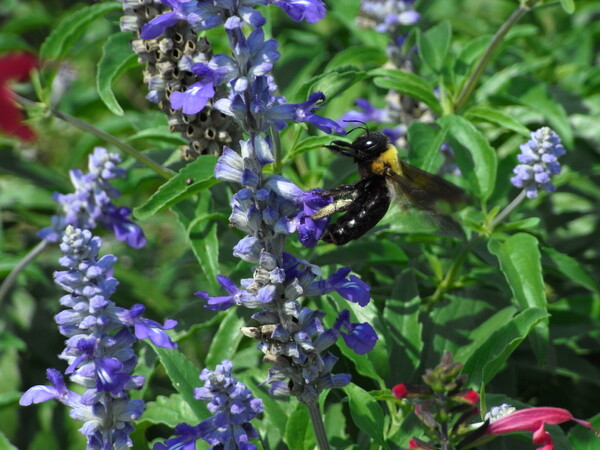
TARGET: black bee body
(383,176)
(365,211)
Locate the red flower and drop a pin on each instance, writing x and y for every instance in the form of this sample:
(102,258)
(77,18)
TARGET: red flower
(14,67)
(400,391)
(534,419)
(472,397)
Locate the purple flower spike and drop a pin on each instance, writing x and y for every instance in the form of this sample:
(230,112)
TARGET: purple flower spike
(148,329)
(360,337)
(539,162)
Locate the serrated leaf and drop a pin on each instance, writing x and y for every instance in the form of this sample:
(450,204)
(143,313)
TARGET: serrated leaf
(408,84)
(425,142)
(226,340)
(520,262)
(170,411)
(184,376)
(366,413)
(571,269)
(194,177)
(475,157)
(496,117)
(434,44)
(64,36)
(568,6)
(117,57)
(491,356)
(298,433)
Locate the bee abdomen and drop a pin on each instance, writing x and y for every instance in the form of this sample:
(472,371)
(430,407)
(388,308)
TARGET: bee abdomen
(363,214)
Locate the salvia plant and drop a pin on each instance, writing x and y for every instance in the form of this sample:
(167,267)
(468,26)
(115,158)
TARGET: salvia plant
(265,224)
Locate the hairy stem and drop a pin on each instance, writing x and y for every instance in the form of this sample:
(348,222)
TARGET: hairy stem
(467,89)
(506,211)
(89,128)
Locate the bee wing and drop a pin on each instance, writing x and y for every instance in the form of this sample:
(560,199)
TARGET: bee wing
(423,189)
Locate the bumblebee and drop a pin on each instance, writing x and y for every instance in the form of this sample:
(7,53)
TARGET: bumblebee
(383,176)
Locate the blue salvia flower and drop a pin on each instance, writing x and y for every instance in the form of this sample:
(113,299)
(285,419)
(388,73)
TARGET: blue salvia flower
(232,406)
(385,16)
(539,162)
(92,204)
(268,208)
(99,343)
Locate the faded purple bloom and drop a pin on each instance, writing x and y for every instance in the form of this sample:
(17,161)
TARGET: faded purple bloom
(539,162)
(91,204)
(310,10)
(360,337)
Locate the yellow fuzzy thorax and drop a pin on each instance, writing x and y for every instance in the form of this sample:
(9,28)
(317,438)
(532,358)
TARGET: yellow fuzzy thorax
(387,159)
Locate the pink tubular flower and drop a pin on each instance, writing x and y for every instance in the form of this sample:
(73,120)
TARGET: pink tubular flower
(534,419)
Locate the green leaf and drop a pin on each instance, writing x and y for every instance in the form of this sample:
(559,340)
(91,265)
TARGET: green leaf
(117,57)
(194,177)
(568,6)
(64,36)
(491,356)
(425,142)
(366,413)
(226,340)
(298,433)
(434,45)
(407,83)
(333,83)
(496,117)
(201,232)
(160,134)
(403,324)
(520,262)
(571,268)
(170,411)
(475,157)
(5,443)
(184,376)
(307,145)
(357,55)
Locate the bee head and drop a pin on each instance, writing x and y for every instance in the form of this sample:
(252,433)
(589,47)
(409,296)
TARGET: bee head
(370,145)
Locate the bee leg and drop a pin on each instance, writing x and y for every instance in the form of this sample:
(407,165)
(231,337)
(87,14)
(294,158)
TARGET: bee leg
(335,207)
(345,189)
(341,147)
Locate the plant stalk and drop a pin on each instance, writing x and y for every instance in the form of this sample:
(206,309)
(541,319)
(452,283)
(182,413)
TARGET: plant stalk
(12,276)
(318,425)
(89,128)
(500,34)
(506,211)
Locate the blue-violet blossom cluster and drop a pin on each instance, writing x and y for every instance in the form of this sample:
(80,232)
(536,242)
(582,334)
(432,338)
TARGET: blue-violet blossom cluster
(539,162)
(232,406)
(269,208)
(99,343)
(92,202)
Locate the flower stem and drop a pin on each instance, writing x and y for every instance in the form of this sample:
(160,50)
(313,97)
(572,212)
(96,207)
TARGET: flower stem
(506,211)
(12,276)
(318,426)
(467,89)
(89,128)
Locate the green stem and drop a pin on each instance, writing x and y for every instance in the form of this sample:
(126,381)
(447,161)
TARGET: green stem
(506,211)
(474,78)
(12,276)
(318,426)
(88,128)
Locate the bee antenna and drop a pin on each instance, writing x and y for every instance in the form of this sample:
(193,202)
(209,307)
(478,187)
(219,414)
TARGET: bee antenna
(363,127)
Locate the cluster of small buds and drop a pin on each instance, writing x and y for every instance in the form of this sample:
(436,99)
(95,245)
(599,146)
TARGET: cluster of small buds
(539,162)
(443,405)
(92,205)
(232,406)
(169,58)
(100,336)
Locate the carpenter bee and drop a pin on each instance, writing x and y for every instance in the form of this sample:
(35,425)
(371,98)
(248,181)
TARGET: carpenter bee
(383,176)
